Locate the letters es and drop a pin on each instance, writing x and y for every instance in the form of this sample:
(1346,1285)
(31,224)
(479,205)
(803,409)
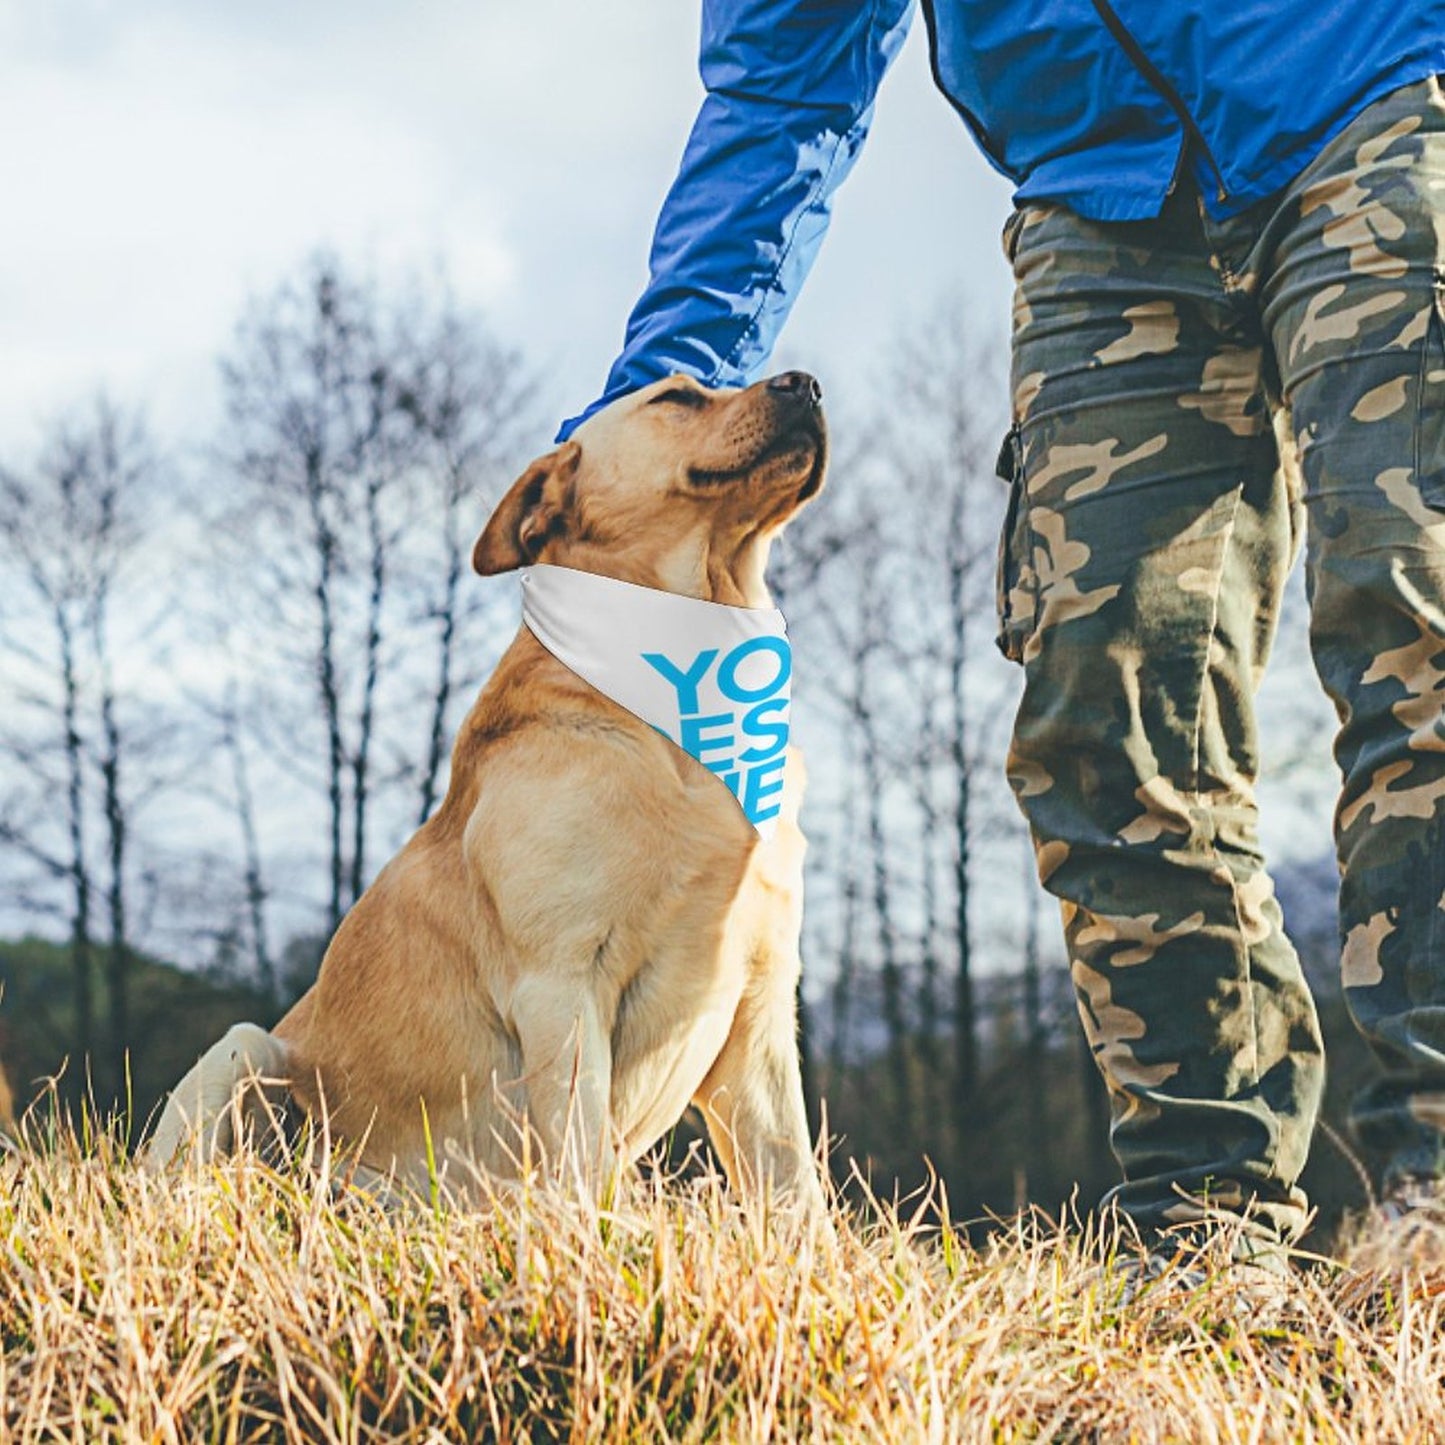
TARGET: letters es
(745,743)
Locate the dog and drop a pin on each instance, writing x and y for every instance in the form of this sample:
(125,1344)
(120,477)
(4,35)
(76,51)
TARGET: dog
(588,935)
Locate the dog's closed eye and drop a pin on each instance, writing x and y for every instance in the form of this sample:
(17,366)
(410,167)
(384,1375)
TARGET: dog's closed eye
(680,396)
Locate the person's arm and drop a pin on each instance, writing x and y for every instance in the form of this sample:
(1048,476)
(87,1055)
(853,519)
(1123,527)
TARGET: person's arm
(790,89)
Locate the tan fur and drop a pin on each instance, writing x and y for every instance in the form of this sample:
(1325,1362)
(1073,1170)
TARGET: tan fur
(588,935)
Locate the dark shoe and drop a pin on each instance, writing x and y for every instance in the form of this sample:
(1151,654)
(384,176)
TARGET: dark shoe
(1244,1276)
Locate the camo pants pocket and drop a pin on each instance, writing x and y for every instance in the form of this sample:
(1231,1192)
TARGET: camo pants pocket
(1430,414)
(1015,587)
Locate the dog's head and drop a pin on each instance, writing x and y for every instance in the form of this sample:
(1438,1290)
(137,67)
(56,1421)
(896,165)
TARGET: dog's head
(675,486)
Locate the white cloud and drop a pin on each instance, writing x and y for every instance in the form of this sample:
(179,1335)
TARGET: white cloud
(166,158)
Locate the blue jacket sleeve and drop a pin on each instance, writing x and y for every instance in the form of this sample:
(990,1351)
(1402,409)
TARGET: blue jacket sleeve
(790,89)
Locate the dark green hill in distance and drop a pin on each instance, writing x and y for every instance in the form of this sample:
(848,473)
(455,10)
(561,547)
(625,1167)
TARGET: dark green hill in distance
(173,1017)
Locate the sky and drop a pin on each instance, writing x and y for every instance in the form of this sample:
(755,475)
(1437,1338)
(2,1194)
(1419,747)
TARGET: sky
(163,161)
(167,159)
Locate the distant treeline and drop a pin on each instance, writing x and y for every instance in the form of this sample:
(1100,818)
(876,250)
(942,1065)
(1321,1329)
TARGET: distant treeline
(237,668)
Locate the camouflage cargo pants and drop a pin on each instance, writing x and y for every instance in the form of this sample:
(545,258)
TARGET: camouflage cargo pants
(1151,531)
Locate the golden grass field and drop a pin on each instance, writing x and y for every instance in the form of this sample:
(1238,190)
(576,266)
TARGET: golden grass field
(245,1303)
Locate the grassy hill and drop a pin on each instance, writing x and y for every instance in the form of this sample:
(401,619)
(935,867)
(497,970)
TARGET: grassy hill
(238,1303)
(174,1015)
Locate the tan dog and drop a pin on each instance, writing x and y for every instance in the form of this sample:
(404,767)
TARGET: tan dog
(588,935)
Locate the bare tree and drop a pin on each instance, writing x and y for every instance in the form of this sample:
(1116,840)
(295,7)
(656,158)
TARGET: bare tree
(902,602)
(853,620)
(70,528)
(256,891)
(864,708)
(367,438)
(319,445)
(941,439)
(118,459)
(473,402)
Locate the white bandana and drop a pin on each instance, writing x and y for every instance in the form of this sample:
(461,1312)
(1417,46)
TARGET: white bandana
(711,678)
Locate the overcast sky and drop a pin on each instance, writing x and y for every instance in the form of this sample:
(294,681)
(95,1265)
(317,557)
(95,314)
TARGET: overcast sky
(162,160)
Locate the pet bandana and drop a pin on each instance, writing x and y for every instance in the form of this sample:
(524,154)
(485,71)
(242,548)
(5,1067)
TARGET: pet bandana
(711,678)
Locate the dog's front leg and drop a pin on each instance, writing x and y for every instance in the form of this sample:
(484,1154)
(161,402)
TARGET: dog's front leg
(567,1057)
(752,1098)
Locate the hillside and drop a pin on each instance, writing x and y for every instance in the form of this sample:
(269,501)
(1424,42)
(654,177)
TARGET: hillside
(173,1016)
(241,1304)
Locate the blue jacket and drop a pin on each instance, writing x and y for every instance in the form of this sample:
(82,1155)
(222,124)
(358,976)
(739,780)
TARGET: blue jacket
(1098,104)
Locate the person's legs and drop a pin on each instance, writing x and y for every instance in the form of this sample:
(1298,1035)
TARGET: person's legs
(1141,587)
(1354,301)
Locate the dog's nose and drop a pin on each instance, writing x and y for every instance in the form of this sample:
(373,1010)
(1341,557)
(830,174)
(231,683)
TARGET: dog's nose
(797,384)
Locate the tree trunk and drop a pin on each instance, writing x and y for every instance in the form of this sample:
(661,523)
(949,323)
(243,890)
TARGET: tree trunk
(326,559)
(361,762)
(965,1028)
(263,964)
(441,700)
(118,954)
(844,978)
(928,969)
(84,1003)
(895,1013)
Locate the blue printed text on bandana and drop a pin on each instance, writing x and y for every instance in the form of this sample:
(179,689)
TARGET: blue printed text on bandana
(740,732)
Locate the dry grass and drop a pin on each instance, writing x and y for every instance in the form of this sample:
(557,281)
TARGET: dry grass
(243,1303)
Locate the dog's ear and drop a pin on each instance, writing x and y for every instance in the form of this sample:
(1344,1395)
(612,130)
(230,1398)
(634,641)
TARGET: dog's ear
(534,510)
